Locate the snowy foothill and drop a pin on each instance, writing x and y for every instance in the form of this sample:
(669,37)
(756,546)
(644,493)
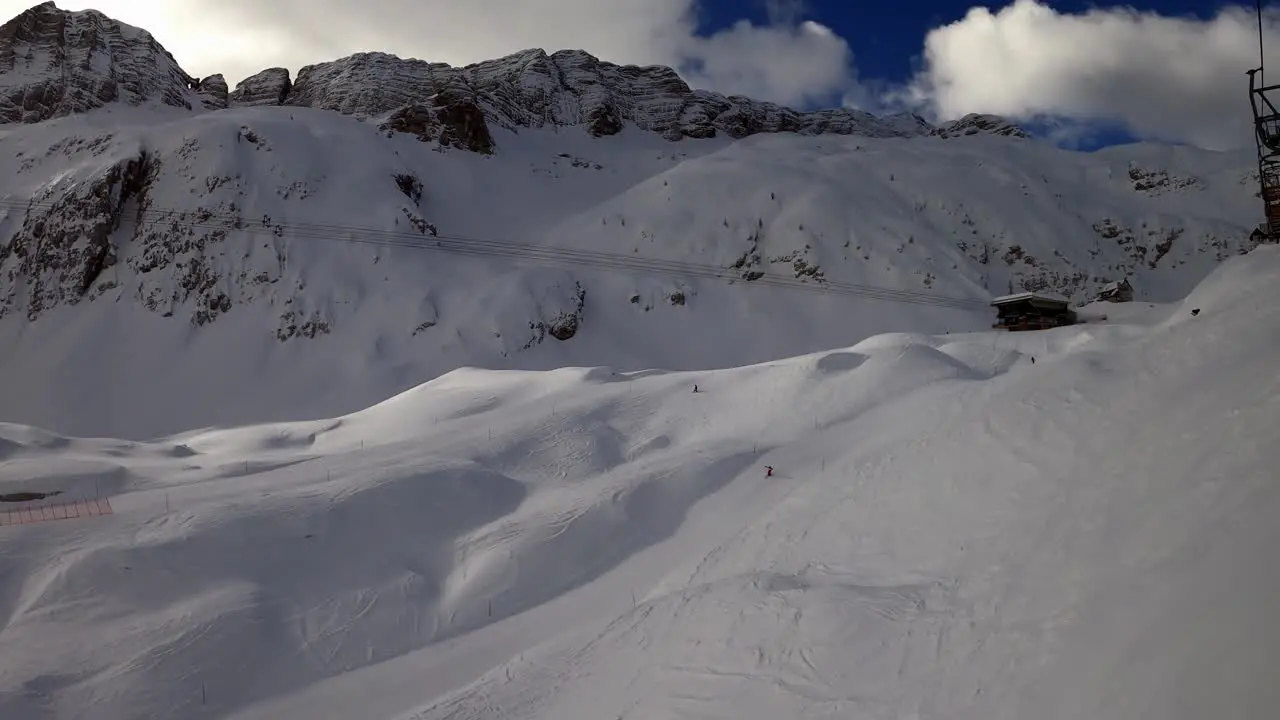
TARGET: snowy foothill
(951,531)
(286,263)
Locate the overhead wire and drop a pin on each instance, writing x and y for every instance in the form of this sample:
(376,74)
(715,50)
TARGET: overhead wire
(1262,80)
(152,216)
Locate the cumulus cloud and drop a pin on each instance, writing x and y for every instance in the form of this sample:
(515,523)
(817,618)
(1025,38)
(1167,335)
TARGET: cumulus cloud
(796,64)
(1156,77)
(1180,79)
(786,60)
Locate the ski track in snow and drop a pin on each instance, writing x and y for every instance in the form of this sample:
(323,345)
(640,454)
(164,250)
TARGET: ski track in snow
(566,530)
(952,532)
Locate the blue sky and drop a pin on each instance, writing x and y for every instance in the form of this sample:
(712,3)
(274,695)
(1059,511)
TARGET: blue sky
(887,39)
(1089,75)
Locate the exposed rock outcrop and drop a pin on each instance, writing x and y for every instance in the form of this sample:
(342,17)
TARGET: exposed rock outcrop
(55,62)
(62,250)
(573,88)
(1158,181)
(213,92)
(452,119)
(269,87)
(561,323)
(979,124)
(368,84)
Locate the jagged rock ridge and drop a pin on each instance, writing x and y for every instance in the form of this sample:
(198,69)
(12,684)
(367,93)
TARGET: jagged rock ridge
(55,63)
(565,88)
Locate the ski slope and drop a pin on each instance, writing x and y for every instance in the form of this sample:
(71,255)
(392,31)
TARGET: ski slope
(952,531)
(272,268)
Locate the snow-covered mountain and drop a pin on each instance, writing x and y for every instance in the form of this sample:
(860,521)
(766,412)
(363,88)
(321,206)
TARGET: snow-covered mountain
(55,63)
(325,241)
(1075,523)
(450,320)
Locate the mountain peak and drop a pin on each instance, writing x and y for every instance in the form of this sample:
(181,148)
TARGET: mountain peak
(565,88)
(56,62)
(978,124)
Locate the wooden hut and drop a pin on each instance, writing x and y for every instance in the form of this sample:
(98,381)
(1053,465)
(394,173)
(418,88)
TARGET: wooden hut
(1032,311)
(1116,292)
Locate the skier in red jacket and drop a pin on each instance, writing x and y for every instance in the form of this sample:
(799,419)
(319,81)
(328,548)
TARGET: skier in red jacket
(768,471)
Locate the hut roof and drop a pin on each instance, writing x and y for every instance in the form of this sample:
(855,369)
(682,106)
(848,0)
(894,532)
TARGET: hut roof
(1035,296)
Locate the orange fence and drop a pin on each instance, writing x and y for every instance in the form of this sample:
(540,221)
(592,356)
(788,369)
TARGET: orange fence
(60,511)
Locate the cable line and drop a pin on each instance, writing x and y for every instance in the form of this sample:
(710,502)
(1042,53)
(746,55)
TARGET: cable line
(482,247)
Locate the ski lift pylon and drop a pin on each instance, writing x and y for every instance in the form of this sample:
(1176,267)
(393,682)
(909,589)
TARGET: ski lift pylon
(1266,127)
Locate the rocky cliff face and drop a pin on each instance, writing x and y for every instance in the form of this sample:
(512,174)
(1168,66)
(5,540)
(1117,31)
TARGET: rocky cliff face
(60,252)
(55,63)
(569,88)
(213,92)
(269,87)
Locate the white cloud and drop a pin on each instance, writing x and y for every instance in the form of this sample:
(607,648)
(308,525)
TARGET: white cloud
(1162,77)
(787,61)
(797,64)
(785,12)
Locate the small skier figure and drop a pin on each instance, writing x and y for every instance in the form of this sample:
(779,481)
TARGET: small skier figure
(695,387)
(768,471)
(1033,359)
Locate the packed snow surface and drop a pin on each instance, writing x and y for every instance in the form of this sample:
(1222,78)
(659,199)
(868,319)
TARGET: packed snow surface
(951,531)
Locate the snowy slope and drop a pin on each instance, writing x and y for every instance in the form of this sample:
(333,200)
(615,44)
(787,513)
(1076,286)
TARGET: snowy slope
(344,234)
(276,263)
(952,532)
